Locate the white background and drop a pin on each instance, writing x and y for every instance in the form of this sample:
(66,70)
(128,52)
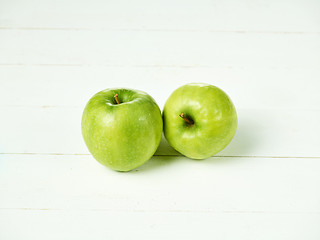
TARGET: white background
(54,55)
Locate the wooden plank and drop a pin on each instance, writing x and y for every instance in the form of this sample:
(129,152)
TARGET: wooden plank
(174,15)
(135,48)
(285,133)
(163,184)
(72,86)
(64,225)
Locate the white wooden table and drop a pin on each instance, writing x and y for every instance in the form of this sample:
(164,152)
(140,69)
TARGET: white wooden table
(54,55)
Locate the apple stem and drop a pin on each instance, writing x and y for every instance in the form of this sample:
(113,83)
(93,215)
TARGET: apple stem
(117,99)
(189,121)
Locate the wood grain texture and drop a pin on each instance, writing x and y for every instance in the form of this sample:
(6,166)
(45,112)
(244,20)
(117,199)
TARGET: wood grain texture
(70,197)
(101,225)
(173,15)
(71,86)
(165,183)
(135,48)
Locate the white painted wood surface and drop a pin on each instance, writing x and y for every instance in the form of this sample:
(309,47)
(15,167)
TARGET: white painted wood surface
(54,55)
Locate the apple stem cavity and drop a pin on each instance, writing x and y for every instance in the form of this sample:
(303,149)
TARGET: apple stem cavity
(188,121)
(116,98)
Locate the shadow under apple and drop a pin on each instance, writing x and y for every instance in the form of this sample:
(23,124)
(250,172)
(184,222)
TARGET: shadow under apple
(164,149)
(244,140)
(242,144)
(163,156)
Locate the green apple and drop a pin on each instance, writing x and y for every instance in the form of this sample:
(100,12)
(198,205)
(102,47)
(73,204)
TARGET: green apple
(122,128)
(199,120)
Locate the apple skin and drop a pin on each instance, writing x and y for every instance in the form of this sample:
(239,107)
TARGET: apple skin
(214,116)
(122,136)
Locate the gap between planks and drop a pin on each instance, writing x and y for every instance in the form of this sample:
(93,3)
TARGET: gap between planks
(131,66)
(108,65)
(157,155)
(173,66)
(165,211)
(152,30)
